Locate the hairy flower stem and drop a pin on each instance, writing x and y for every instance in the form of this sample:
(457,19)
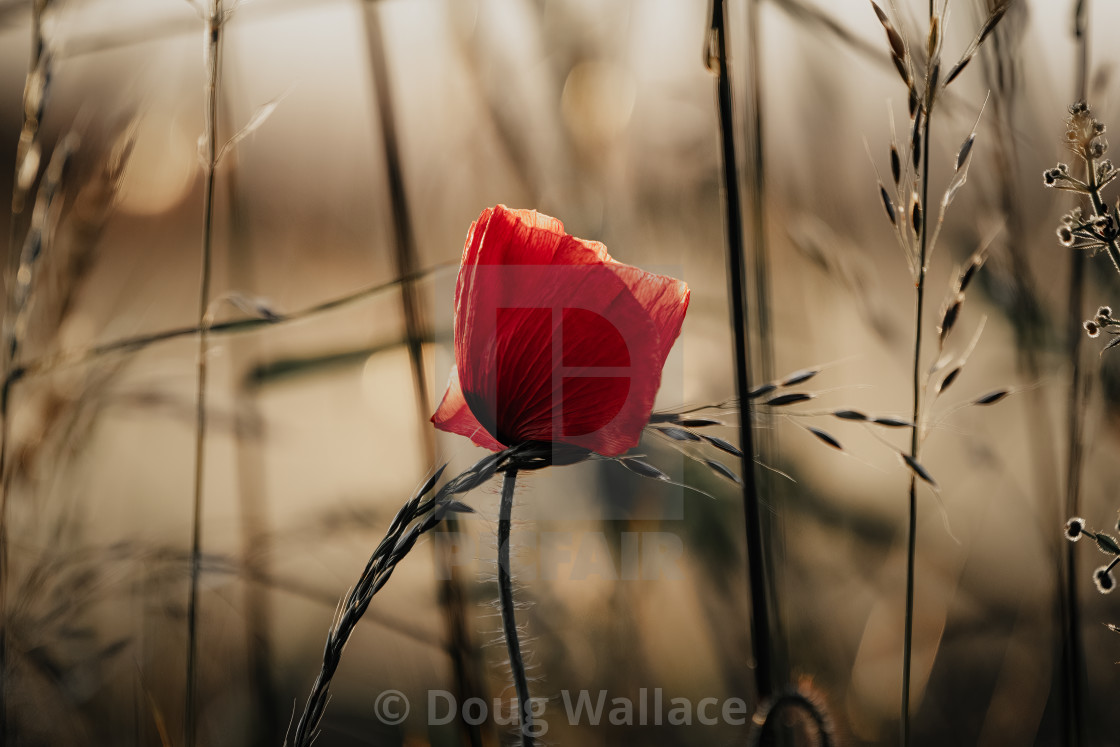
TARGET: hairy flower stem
(213,50)
(756,568)
(509,623)
(915,435)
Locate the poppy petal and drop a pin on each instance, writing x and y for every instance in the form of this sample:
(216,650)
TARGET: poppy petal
(454,416)
(554,339)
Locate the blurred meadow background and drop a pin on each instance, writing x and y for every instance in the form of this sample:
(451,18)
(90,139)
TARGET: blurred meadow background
(377,131)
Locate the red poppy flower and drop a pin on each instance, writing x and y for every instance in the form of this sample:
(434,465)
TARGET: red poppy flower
(555,341)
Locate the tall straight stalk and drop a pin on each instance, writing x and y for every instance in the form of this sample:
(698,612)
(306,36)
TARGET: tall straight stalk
(212,55)
(767,443)
(468,683)
(1072,651)
(509,622)
(915,433)
(756,568)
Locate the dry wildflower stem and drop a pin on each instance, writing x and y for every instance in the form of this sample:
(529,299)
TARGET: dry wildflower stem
(213,30)
(716,51)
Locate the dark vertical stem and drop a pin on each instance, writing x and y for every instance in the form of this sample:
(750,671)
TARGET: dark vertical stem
(509,622)
(213,51)
(1072,651)
(767,443)
(467,681)
(756,569)
(758,198)
(915,434)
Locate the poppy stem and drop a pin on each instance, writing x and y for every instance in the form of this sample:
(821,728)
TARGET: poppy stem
(509,624)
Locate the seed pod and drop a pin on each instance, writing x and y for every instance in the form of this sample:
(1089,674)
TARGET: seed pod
(966,148)
(1107,544)
(799,377)
(992,397)
(761,390)
(849,415)
(916,141)
(993,20)
(957,70)
(949,318)
(918,469)
(826,437)
(788,399)
(916,214)
(949,379)
(896,165)
(645,469)
(934,35)
(888,205)
(723,471)
(722,445)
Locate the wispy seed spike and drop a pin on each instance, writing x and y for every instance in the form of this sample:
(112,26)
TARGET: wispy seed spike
(679,434)
(849,415)
(826,437)
(723,471)
(893,423)
(992,397)
(722,445)
(916,214)
(896,165)
(888,205)
(800,377)
(918,469)
(966,148)
(934,35)
(788,399)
